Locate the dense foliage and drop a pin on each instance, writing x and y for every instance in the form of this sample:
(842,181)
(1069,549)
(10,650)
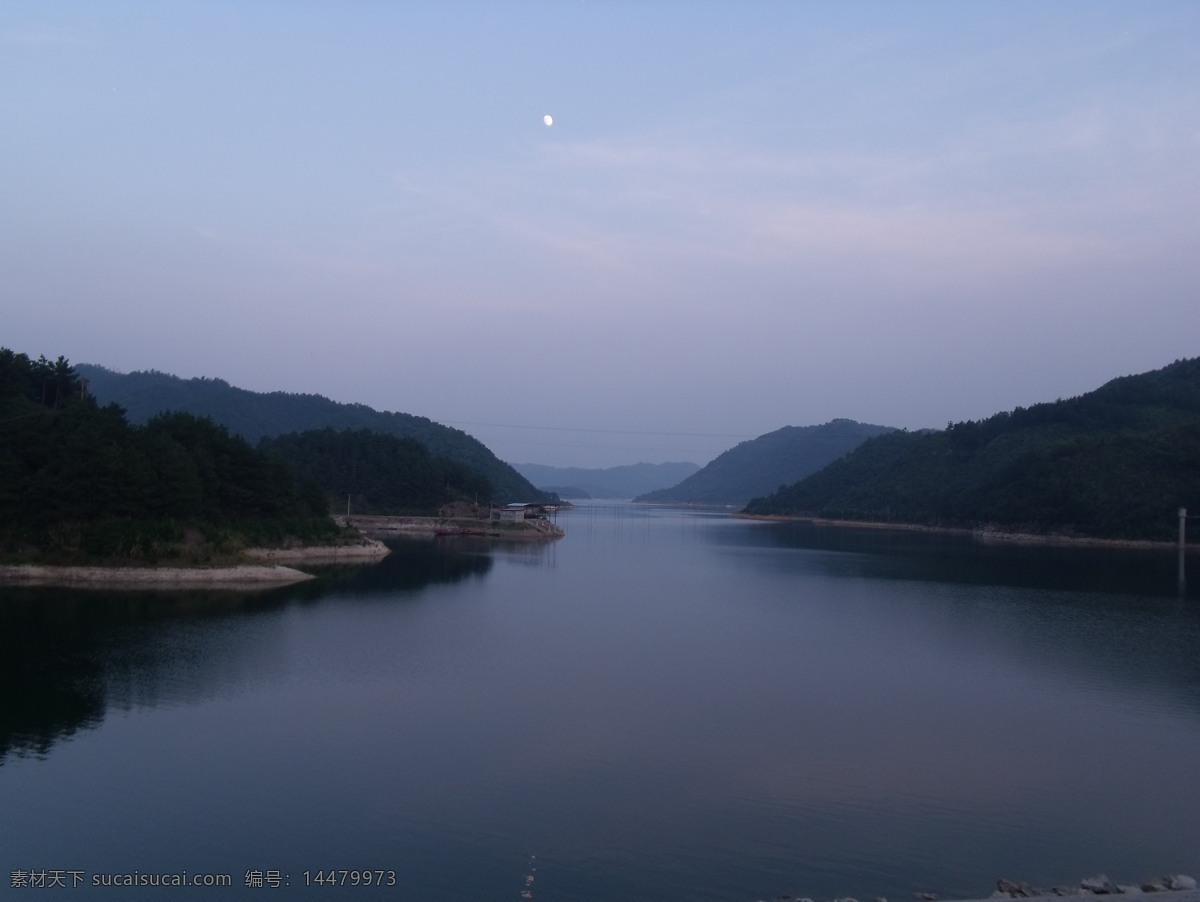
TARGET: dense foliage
(77,480)
(381,474)
(1117,462)
(763,464)
(257,415)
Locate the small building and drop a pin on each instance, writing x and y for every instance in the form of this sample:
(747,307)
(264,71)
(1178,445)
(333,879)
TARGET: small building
(522,510)
(516,511)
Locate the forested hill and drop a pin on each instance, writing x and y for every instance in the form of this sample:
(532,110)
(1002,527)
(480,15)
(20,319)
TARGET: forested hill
(382,474)
(257,415)
(1117,462)
(764,464)
(78,482)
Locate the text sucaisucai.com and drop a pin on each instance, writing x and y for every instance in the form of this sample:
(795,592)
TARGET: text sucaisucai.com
(45,879)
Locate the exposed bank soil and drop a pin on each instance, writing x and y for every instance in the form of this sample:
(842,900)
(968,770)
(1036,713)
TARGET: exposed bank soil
(269,574)
(981,534)
(363,549)
(451,526)
(151,577)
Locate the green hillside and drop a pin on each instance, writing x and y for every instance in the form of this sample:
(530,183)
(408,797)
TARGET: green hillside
(77,481)
(378,473)
(1117,462)
(257,415)
(764,464)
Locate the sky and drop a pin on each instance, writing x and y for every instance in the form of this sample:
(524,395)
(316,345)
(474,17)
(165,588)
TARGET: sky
(745,215)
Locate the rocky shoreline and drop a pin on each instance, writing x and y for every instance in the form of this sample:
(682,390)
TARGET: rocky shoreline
(269,574)
(1177,887)
(1099,885)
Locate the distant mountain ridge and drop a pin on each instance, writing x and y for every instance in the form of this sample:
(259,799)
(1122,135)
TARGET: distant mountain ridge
(623,482)
(763,464)
(256,415)
(1117,462)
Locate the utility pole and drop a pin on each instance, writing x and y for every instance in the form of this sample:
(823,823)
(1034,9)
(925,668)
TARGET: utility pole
(1183,515)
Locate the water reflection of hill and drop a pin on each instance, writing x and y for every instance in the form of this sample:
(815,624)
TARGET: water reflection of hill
(67,657)
(412,565)
(1115,614)
(903,554)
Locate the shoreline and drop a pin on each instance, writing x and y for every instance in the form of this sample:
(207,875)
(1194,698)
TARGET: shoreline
(238,577)
(983,534)
(381,524)
(270,574)
(364,549)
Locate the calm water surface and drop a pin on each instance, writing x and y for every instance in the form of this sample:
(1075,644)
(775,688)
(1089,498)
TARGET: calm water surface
(664,705)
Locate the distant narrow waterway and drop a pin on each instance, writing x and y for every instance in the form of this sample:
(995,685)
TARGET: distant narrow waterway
(664,705)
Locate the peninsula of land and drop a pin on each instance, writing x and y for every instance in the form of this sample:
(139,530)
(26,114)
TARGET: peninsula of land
(178,501)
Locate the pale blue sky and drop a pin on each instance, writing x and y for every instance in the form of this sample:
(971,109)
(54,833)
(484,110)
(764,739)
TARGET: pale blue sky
(746,215)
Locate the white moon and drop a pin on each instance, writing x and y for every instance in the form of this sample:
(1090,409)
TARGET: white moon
(548,119)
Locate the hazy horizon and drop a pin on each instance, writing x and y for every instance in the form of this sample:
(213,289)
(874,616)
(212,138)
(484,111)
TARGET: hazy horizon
(743,217)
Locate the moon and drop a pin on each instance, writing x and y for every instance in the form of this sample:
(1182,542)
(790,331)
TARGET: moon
(548,119)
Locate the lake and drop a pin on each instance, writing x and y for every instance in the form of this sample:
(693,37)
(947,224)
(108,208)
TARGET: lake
(663,705)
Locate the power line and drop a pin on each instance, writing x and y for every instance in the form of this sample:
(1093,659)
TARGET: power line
(603,431)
